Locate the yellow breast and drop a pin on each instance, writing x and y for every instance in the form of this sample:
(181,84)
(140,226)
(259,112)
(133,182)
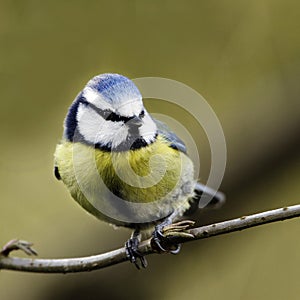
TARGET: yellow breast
(156,175)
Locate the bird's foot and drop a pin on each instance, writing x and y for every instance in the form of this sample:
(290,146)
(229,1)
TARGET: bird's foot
(160,241)
(134,254)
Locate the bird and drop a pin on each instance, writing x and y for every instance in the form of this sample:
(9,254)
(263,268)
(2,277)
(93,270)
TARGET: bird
(125,167)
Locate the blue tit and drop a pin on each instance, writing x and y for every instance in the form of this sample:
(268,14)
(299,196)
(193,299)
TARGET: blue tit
(122,165)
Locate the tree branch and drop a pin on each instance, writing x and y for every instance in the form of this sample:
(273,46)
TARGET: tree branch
(100,261)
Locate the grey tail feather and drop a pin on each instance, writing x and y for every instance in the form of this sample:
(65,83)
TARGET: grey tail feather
(205,198)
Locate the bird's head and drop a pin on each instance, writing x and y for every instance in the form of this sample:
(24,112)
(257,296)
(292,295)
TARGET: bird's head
(109,113)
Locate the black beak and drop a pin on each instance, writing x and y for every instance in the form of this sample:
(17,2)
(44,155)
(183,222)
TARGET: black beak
(135,121)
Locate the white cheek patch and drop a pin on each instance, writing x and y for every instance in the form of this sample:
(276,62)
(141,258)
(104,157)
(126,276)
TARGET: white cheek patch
(148,130)
(95,129)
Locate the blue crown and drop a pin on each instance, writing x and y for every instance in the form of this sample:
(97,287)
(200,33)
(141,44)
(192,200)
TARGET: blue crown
(114,86)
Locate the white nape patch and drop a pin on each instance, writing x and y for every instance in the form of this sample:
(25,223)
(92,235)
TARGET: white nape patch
(95,129)
(95,98)
(148,129)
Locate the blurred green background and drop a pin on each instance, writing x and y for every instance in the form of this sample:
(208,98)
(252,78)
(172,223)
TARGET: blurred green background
(242,56)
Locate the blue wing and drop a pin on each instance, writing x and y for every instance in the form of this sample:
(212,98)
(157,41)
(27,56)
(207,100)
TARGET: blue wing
(202,192)
(170,136)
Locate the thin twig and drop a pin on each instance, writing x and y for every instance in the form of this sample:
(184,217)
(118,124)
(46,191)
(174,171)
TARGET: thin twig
(95,262)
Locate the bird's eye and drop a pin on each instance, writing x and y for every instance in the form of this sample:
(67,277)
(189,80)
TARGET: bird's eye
(112,117)
(142,114)
(117,118)
(105,114)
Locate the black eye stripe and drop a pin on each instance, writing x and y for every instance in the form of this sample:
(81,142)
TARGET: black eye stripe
(142,114)
(108,114)
(117,118)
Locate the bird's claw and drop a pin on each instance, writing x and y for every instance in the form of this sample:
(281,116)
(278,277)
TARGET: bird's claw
(134,255)
(160,240)
(18,245)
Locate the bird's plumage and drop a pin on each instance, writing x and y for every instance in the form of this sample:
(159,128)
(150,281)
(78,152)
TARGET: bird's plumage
(158,194)
(119,163)
(169,135)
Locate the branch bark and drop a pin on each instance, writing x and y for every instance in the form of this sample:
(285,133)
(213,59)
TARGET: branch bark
(70,265)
